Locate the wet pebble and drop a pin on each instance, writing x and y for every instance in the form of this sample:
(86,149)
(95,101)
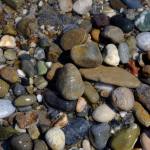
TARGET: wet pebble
(4,87)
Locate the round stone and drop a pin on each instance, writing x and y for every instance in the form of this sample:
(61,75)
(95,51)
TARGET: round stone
(55,138)
(4,87)
(19,89)
(123,98)
(65,5)
(95,34)
(10,54)
(40,145)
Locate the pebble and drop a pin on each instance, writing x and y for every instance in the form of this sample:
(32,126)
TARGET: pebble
(55,138)
(81,104)
(99,135)
(19,89)
(142,22)
(40,145)
(90,93)
(21,142)
(39,98)
(119,76)
(76,130)
(4,87)
(95,34)
(86,145)
(65,5)
(8,41)
(6,108)
(73,37)
(146,71)
(117,4)
(133,4)
(69,82)
(87,55)
(10,54)
(112,56)
(115,34)
(143,41)
(141,114)
(41,68)
(20,73)
(123,98)
(126,138)
(39,53)
(82,6)
(15,4)
(25,100)
(145,140)
(124,52)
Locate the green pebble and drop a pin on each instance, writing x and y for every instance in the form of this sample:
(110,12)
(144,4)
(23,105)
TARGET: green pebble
(40,82)
(10,54)
(42,69)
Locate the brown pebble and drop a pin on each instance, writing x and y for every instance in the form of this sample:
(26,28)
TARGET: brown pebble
(146,70)
(4,87)
(81,104)
(95,35)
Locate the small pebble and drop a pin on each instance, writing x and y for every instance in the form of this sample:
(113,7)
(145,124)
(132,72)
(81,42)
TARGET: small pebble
(4,87)
(145,140)
(81,104)
(65,5)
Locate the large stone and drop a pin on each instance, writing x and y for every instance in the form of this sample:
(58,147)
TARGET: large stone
(111,75)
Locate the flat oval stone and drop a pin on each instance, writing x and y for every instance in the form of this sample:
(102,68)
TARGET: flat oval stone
(99,135)
(145,140)
(103,113)
(25,100)
(133,4)
(76,130)
(87,55)
(53,100)
(4,87)
(73,37)
(111,75)
(69,82)
(126,138)
(125,24)
(123,98)
(6,108)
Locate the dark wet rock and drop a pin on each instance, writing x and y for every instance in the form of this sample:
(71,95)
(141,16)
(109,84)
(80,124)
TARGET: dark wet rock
(117,4)
(19,89)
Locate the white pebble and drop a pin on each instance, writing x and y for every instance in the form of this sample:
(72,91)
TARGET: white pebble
(25,11)
(123,114)
(65,5)
(48,64)
(20,73)
(40,4)
(39,98)
(17,19)
(112,56)
(86,145)
(8,41)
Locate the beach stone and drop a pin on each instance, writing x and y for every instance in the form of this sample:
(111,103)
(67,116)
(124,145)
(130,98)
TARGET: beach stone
(86,25)
(125,24)
(69,82)
(143,93)
(126,138)
(111,75)
(10,29)
(4,87)
(10,54)
(9,74)
(103,113)
(95,34)
(6,108)
(65,5)
(73,37)
(112,56)
(117,4)
(25,100)
(141,114)
(21,142)
(86,144)
(40,145)
(115,34)
(81,104)
(145,140)
(8,41)
(124,52)
(19,89)
(76,130)
(82,6)
(133,4)
(40,82)
(87,55)
(146,71)
(90,93)
(143,41)
(99,135)
(131,41)
(15,3)
(142,22)
(39,53)
(123,98)
(55,138)
(41,68)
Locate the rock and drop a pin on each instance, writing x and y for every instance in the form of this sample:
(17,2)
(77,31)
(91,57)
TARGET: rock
(103,113)
(143,41)
(113,33)
(55,138)
(131,41)
(133,4)
(145,140)
(125,24)
(39,53)
(126,138)
(25,100)
(41,68)
(19,89)
(73,37)
(53,100)
(141,114)
(95,34)
(65,5)
(123,98)
(40,145)
(112,56)
(21,142)
(99,135)
(10,29)
(9,74)
(40,82)
(16,4)
(143,93)
(86,25)
(4,87)
(108,11)
(146,71)
(87,55)
(69,82)
(6,108)
(76,130)
(81,104)
(86,145)
(90,93)
(111,75)
(142,22)
(82,6)
(10,54)
(117,4)
(124,53)
(8,41)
